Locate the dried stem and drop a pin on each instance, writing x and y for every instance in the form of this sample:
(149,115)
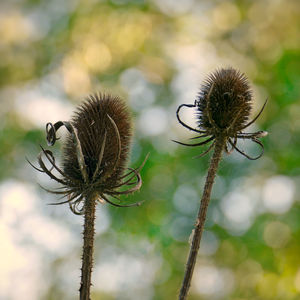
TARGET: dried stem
(88,247)
(217,155)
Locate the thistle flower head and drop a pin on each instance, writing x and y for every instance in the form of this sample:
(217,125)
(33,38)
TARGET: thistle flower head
(94,154)
(223,108)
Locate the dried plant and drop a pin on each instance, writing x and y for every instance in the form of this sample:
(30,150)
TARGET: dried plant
(223,108)
(93,166)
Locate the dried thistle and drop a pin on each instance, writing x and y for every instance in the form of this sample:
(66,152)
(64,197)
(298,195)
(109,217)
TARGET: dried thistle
(223,109)
(93,165)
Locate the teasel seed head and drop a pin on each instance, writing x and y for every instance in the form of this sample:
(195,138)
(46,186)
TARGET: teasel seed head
(223,108)
(95,154)
(93,123)
(224,103)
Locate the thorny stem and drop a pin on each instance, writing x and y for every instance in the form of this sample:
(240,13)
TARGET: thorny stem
(88,247)
(217,155)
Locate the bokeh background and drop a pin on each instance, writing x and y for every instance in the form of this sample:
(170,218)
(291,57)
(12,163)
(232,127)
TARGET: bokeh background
(154,54)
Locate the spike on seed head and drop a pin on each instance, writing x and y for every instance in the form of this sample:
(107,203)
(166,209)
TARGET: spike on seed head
(224,102)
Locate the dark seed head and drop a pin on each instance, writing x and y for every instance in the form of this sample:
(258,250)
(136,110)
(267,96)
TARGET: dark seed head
(94,155)
(94,122)
(224,102)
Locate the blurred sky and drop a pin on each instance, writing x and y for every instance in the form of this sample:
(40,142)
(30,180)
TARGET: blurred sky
(154,54)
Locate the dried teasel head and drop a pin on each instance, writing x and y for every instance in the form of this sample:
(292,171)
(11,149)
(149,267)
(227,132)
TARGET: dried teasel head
(224,102)
(95,153)
(103,127)
(223,108)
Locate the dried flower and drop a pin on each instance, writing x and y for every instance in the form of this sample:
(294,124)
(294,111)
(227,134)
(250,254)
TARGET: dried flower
(93,166)
(223,108)
(94,154)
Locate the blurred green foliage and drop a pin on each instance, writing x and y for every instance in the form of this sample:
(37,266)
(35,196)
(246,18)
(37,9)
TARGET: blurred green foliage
(155,54)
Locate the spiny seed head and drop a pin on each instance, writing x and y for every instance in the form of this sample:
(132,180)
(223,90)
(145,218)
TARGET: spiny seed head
(95,128)
(224,102)
(94,155)
(223,108)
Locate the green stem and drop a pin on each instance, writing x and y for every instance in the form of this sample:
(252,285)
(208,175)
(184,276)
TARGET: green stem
(88,247)
(217,155)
